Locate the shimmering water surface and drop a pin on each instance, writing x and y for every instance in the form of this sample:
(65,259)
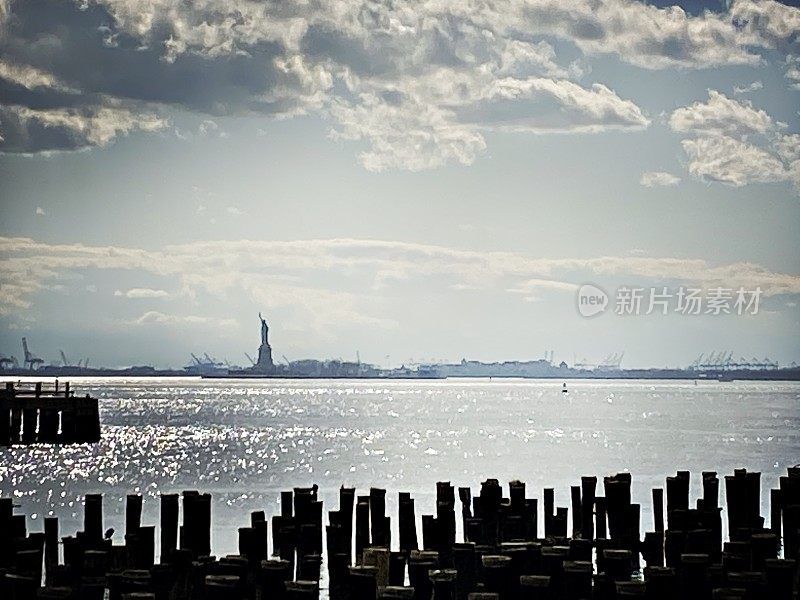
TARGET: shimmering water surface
(244,441)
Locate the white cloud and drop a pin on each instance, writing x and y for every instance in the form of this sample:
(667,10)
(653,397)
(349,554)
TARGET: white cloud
(793,71)
(288,274)
(234,211)
(720,114)
(142,293)
(768,20)
(413,136)
(70,128)
(736,143)
(159,318)
(29,77)
(418,82)
(727,160)
(658,178)
(746,89)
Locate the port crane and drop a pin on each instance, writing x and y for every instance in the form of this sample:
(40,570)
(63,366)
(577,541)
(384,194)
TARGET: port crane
(8,361)
(723,361)
(32,361)
(250,358)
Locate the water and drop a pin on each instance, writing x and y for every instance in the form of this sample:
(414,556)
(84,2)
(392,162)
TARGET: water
(244,441)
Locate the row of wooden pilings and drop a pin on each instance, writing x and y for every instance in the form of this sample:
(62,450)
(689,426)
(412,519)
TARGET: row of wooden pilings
(33,414)
(598,553)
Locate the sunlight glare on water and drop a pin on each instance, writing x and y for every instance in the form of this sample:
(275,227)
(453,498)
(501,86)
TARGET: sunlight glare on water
(244,441)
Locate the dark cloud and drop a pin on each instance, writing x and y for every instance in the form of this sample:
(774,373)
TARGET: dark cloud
(77,73)
(25,136)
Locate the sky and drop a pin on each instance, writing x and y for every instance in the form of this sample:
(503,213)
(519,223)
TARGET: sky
(402,181)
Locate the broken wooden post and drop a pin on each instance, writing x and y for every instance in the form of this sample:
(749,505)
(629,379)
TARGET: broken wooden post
(93,517)
(169,525)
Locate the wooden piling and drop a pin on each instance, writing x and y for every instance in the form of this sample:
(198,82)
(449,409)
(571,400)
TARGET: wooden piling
(169,525)
(407,523)
(362,527)
(133,513)
(506,562)
(93,517)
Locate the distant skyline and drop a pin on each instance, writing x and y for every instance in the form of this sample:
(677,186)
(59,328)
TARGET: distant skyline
(417,181)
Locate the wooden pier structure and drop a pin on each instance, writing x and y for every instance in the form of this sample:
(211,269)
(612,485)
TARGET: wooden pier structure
(597,554)
(34,414)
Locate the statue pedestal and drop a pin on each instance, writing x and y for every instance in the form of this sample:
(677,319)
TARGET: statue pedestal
(265,363)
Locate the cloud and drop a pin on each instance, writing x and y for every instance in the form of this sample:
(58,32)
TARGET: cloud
(153,317)
(727,160)
(531,289)
(414,84)
(773,23)
(736,143)
(28,131)
(658,178)
(753,87)
(437,119)
(719,115)
(793,71)
(142,293)
(295,276)
(642,34)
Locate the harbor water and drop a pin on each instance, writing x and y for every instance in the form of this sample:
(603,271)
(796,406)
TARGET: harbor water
(245,440)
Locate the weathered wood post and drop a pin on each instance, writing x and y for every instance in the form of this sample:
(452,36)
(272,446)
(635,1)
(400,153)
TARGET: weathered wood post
(347,498)
(133,513)
(790,504)
(577,511)
(553,558)
(407,524)
(93,518)
(497,576)
(397,568)
(588,494)
(677,494)
(30,418)
(362,583)
(169,526)
(50,547)
(781,575)
(362,527)
(775,507)
(549,503)
(600,515)
(694,582)
(273,578)
(534,587)
(5,414)
(377,515)
(661,583)
(577,579)
(445,522)
(420,563)
(444,584)
(464,561)
(465,496)
(16,425)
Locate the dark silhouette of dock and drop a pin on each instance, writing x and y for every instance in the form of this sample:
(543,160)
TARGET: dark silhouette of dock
(590,550)
(34,414)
